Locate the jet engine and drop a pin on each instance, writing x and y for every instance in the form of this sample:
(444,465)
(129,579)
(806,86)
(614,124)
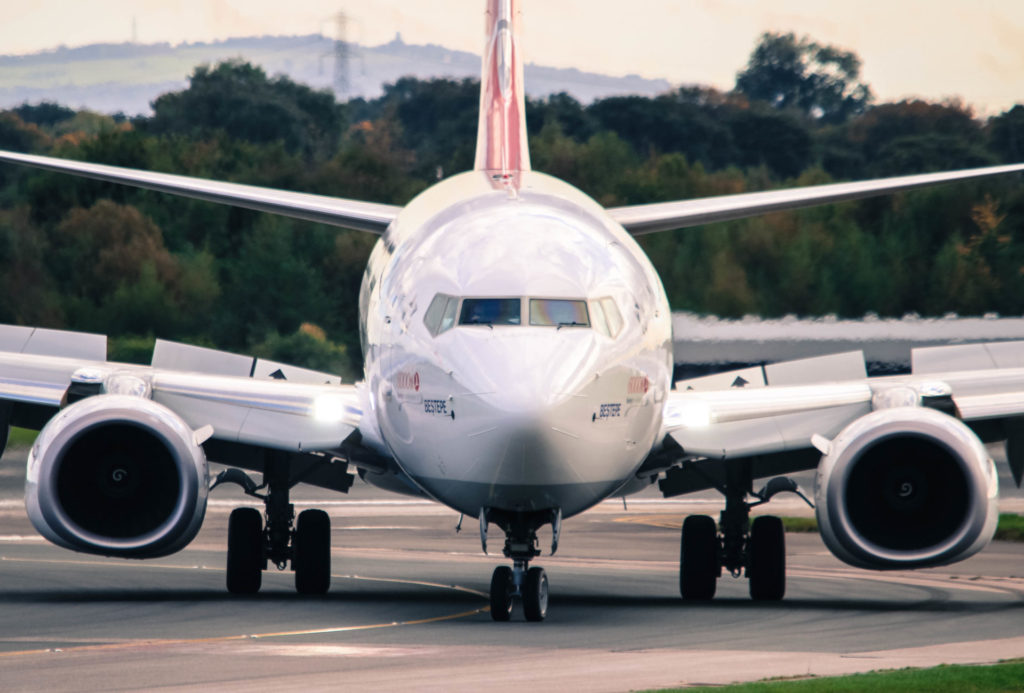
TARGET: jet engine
(906,487)
(117,475)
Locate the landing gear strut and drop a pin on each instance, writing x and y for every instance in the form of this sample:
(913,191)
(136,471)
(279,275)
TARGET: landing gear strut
(251,545)
(530,585)
(756,549)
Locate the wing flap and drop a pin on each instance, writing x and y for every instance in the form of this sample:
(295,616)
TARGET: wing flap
(187,357)
(46,342)
(743,377)
(818,369)
(832,368)
(965,357)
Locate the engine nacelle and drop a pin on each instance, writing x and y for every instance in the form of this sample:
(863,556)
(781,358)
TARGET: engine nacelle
(906,487)
(117,475)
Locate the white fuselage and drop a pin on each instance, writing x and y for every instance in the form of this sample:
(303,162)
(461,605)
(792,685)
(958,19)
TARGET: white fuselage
(513,416)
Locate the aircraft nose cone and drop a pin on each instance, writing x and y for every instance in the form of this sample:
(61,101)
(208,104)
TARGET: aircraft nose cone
(525,375)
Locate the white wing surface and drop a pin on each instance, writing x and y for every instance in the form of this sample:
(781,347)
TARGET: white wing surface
(665,216)
(974,383)
(317,413)
(351,214)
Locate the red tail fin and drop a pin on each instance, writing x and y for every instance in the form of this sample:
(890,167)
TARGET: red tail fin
(501,146)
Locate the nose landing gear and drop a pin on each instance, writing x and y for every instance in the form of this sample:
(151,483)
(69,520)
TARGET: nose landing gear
(529,585)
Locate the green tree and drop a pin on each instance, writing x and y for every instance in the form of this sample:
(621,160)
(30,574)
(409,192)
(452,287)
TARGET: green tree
(821,81)
(269,287)
(99,249)
(917,136)
(28,294)
(766,138)
(44,114)
(667,123)
(239,99)
(310,347)
(560,109)
(18,135)
(1006,135)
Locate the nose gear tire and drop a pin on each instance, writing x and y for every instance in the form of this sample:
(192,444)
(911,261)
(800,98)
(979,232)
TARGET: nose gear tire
(535,594)
(501,593)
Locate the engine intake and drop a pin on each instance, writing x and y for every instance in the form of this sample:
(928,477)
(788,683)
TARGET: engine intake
(119,476)
(906,487)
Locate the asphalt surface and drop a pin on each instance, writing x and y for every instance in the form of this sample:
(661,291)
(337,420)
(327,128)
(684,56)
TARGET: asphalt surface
(408,609)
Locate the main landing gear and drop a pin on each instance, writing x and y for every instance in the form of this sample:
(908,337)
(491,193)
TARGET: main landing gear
(529,585)
(251,545)
(756,549)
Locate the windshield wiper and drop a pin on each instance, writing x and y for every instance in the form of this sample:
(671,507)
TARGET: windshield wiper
(571,324)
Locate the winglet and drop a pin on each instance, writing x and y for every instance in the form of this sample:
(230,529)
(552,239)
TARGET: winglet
(501,146)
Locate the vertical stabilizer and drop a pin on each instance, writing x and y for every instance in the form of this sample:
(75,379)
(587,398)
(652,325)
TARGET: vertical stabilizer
(501,147)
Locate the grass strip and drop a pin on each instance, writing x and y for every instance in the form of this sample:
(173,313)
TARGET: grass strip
(1003,677)
(1010,527)
(800,524)
(21,437)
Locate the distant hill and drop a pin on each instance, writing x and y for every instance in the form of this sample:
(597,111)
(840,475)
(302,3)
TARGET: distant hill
(126,77)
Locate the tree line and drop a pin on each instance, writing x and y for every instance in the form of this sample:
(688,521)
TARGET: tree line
(86,255)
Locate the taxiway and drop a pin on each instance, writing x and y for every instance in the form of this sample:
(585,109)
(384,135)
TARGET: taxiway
(408,609)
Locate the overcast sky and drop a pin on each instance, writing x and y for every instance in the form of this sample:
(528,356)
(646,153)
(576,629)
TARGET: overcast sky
(935,49)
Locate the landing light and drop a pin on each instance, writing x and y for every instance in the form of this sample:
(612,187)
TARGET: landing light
(329,408)
(692,415)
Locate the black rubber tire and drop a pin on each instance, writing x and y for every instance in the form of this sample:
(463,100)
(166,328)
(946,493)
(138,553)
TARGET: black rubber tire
(535,594)
(698,558)
(501,593)
(245,551)
(766,556)
(311,557)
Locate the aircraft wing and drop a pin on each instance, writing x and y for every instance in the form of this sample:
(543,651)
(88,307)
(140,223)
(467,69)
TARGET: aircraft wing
(351,214)
(228,397)
(665,216)
(799,405)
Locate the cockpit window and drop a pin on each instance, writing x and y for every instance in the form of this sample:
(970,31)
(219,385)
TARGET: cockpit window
(490,311)
(597,317)
(601,314)
(440,315)
(432,318)
(614,317)
(557,311)
(450,311)
(606,316)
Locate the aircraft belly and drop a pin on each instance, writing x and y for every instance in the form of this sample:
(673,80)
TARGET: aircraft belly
(468,496)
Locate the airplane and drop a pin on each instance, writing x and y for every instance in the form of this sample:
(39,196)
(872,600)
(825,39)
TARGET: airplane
(518,369)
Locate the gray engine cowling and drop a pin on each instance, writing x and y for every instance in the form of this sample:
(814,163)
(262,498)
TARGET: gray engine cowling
(906,487)
(117,475)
